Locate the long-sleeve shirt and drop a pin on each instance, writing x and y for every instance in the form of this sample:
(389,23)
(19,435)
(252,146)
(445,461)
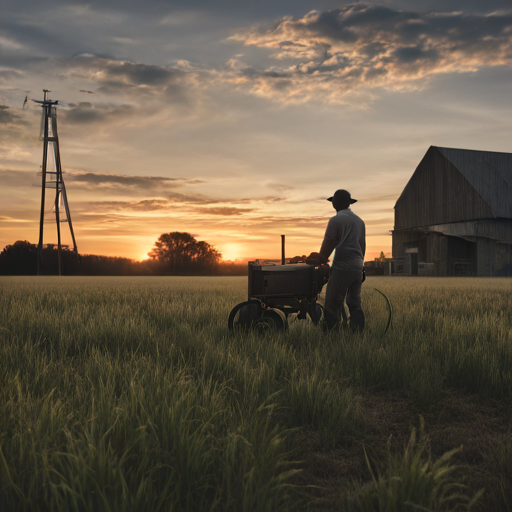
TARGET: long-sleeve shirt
(346,233)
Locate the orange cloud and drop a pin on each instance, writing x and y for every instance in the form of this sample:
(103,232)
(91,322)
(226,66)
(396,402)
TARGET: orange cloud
(335,54)
(226,211)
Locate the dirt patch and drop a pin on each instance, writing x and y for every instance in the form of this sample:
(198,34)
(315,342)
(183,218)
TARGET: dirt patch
(481,426)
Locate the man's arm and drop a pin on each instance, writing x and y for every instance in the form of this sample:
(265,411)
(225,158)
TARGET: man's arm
(362,240)
(331,239)
(327,247)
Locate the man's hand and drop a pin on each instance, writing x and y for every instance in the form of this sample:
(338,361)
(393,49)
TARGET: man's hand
(364,276)
(316,257)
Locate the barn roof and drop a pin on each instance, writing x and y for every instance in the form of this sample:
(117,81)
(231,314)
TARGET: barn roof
(488,172)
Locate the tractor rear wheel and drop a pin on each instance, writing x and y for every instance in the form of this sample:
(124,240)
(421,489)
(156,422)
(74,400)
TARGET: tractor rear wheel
(271,320)
(244,315)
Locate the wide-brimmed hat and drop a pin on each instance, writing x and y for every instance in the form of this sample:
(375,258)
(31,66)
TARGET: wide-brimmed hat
(342,196)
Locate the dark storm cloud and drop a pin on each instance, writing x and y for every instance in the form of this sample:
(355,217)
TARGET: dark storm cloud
(361,45)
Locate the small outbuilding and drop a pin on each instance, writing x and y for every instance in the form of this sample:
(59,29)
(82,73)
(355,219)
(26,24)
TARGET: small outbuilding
(454,217)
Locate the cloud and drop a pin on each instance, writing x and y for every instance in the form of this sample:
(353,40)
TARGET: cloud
(226,211)
(85,113)
(140,74)
(9,74)
(94,179)
(279,187)
(16,178)
(335,54)
(293,222)
(121,76)
(12,219)
(147,205)
(6,116)
(114,183)
(193,204)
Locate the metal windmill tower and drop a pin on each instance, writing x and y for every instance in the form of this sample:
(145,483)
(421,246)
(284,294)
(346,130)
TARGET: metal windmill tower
(51,173)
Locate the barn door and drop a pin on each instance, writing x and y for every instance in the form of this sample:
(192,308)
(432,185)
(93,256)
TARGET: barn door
(414,263)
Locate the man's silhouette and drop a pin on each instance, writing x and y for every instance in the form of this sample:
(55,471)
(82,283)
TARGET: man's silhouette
(346,233)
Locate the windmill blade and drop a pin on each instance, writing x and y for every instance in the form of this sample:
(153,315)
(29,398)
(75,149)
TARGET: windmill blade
(25,101)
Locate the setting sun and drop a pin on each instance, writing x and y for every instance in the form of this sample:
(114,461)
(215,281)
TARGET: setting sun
(230,252)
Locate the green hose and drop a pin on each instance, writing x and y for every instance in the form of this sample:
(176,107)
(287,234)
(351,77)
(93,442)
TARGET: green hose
(390,309)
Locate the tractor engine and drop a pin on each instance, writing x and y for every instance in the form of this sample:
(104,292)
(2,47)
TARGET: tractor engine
(277,291)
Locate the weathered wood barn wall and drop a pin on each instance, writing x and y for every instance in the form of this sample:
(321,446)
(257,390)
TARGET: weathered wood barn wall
(454,216)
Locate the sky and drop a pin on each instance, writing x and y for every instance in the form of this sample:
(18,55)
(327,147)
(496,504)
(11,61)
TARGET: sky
(235,120)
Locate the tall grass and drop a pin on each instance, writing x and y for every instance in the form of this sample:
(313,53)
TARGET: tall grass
(130,394)
(413,481)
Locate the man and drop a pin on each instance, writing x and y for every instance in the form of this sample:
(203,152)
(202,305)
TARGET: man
(346,233)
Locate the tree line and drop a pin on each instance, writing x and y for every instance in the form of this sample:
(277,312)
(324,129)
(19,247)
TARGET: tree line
(175,253)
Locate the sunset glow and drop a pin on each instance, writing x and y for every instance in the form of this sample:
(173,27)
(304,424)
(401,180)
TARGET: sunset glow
(230,252)
(235,124)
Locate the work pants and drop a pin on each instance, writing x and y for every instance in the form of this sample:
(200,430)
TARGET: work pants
(344,286)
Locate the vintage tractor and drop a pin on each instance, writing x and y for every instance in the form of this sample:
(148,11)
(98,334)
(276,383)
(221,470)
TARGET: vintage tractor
(277,291)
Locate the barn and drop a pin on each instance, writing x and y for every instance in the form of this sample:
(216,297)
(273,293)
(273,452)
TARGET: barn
(454,217)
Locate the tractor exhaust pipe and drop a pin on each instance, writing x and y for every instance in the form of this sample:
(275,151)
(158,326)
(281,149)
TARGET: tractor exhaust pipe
(283,262)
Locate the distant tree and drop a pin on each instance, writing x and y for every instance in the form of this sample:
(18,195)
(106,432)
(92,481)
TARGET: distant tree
(181,252)
(230,268)
(173,252)
(381,260)
(19,258)
(206,255)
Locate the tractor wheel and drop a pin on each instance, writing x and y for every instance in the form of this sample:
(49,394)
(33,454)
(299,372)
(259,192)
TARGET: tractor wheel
(271,320)
(244,315)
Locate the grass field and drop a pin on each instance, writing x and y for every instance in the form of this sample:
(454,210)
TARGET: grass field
(130,394)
